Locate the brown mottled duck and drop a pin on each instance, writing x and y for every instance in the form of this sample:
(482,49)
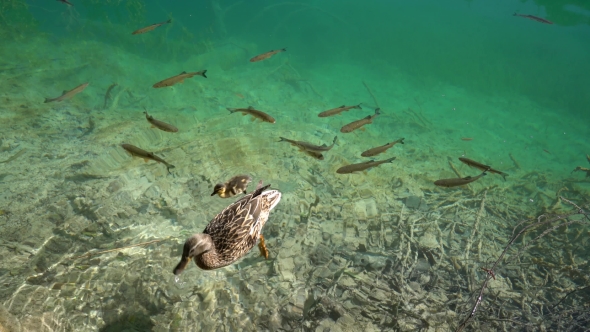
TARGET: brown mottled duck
(232,233)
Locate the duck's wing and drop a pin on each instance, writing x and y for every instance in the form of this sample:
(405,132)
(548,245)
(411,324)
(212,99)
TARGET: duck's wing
(237,210)
(236,229)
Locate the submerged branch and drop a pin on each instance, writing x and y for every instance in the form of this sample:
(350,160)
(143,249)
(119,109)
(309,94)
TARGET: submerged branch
(89,254)
(542,220)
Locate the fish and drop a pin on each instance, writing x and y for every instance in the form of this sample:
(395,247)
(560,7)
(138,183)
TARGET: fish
(66,2)
(137,152)
(314,154)
(308,146)
(362,166)
(588,157)
(448,183)
(255,113)
(179,78)
(267,55)
(160,125)
(91,126)
(107,95)
(482,167)
(68,94)
(16,155)
(150,27)
(338,110)
(466,138)
(381,149)
(359,123)
(534,18)
(302,147)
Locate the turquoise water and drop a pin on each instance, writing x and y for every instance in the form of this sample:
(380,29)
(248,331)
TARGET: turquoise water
(89,235)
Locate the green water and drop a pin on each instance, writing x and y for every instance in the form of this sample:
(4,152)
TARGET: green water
(380,250)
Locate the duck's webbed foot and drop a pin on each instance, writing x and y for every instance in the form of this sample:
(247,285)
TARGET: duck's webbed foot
(262,247)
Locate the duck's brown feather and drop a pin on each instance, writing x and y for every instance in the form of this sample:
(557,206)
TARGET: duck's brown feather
(236,230)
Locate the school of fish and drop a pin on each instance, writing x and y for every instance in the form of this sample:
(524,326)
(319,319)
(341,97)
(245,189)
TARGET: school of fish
(237,184)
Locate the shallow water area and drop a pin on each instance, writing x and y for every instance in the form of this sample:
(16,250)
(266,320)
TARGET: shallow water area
(90,235)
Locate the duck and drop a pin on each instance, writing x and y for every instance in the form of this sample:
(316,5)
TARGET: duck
(234,186)
(232,233)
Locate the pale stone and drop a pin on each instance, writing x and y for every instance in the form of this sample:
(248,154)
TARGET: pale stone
(371,207)
(346,281)
(287,265)
(428,240)
(360,210)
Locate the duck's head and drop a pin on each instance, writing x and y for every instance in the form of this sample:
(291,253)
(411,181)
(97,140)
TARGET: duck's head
(194,246)
(272,198)
(219,189)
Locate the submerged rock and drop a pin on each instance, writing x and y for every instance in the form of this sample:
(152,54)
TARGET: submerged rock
(412,202)
(8,323)
(428,240)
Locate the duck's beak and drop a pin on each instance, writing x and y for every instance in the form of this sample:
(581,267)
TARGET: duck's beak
(182,265)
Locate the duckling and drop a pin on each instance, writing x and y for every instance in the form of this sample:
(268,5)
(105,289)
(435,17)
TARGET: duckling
(232,187)
(232,233)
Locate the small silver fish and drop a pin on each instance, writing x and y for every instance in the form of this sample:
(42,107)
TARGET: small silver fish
(150,27)
(137,152)
(253,112)
(267,55)
(457,181)
(381,149)
(482,167)
(314,154)
(359,123)
(68,94)
(179,78)
(308,146)
(362,166)
(338,110)
(160,124)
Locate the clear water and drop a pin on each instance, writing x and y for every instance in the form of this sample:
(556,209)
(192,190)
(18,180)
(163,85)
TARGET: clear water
(381,250)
